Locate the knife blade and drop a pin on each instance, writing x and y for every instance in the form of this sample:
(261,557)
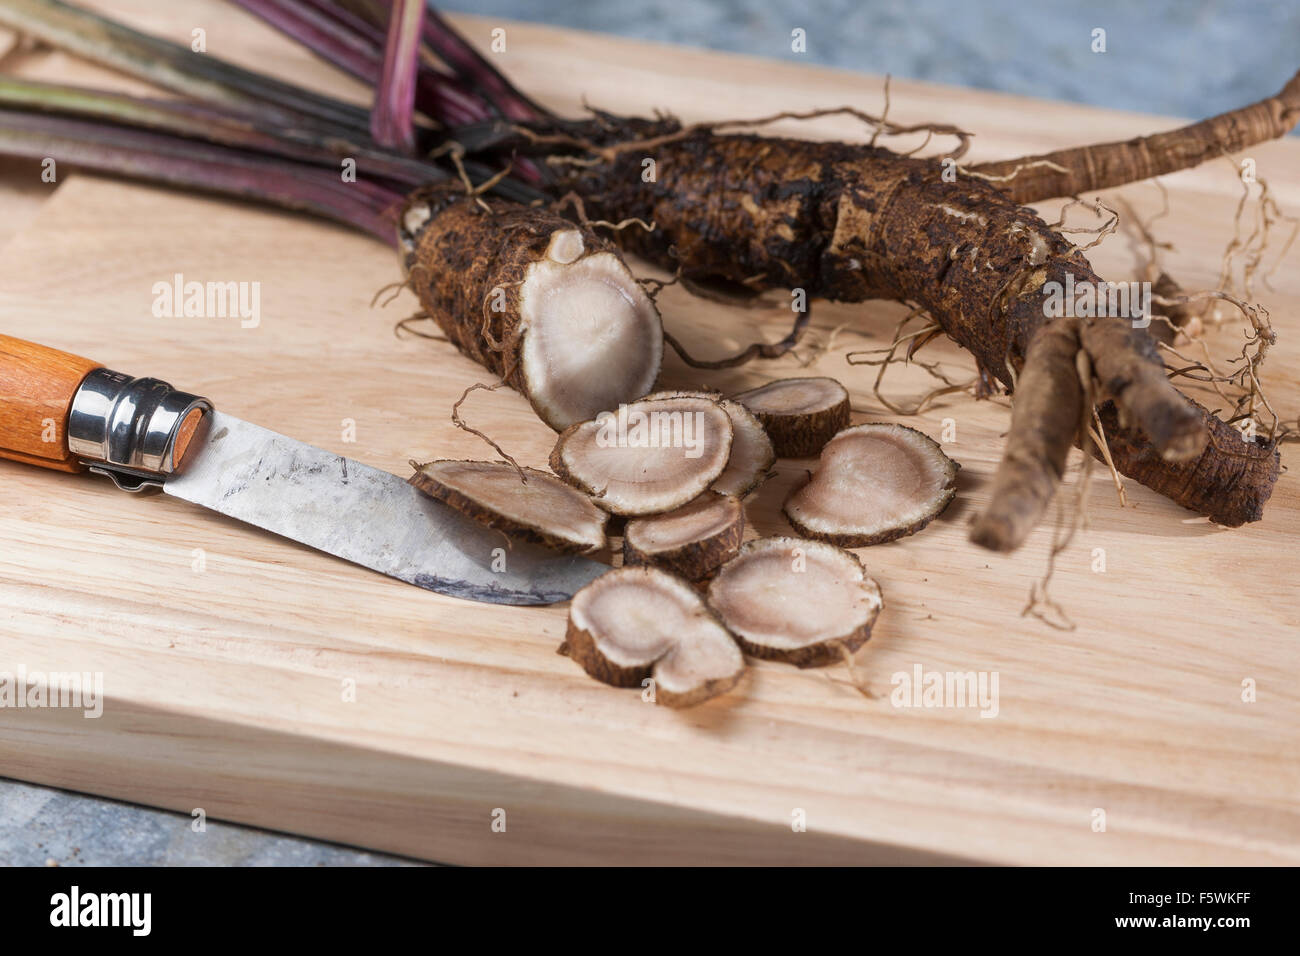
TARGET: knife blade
(144,434)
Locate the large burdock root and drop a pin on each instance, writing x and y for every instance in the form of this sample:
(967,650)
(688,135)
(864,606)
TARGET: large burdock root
(803,602)
(851,223)
(639,623)
(648,457)
(875,483)
(547,305)
(690,541)
(800,414)
(523,503)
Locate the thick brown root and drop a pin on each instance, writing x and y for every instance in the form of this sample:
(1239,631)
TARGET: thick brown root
(875,483)
(1072,172)
(800,415)
(648,457)
(635,625)
(523,503)
(803,602)
(690,541)
(547,305)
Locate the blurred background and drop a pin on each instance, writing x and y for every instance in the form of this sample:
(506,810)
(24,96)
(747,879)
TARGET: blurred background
(1185,58)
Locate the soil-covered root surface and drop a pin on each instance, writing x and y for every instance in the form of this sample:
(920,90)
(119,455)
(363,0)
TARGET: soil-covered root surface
(635,624)
(648,457)
(691,541)
(800,415)
(752,454)
(796,600)
(541,510)
(875,483)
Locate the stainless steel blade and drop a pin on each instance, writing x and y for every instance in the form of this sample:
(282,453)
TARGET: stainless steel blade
(368,517)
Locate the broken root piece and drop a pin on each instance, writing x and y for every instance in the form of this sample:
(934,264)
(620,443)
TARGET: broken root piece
(803,602)
(691,541)
(543,510)
(875,483)
(800,415)
(751,450)
(648,457)
(639,623)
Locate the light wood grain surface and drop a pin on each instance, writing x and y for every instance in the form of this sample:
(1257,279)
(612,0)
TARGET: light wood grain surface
(224,685)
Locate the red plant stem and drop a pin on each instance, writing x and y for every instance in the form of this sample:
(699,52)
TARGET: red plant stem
(392,116)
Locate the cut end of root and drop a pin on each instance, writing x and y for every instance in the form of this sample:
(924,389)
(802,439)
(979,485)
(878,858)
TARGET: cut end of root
(796,600)
(800,415)
(544,510)
(637,624)
(875,483)
(691,541)
(647,458)
(752,454)
(592,337)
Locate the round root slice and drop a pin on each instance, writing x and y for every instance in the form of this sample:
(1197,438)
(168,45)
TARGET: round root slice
(635,623)
(875,483)
(800,414)
(794,600)
(692,540)
(751,450)
(550,307)
(648,457)
(543,511)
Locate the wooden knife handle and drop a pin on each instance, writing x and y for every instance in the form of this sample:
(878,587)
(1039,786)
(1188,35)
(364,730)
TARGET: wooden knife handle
(36,389)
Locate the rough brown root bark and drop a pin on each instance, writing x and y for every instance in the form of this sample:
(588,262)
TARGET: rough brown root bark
(874,483)
(1071,172)
(690,541)
(852,223)
(548,306)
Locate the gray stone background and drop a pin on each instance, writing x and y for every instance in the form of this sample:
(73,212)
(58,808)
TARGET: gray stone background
(1191,59)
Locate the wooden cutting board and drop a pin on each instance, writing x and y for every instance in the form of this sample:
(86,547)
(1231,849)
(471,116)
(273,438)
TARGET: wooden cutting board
(226,652)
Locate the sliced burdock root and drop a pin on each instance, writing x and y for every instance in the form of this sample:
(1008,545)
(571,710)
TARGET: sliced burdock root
(751,450)
(875,483)
(691,541)
(635,623)
(800,414)
(648,457)
(543,510)
(549,306)
(803,602)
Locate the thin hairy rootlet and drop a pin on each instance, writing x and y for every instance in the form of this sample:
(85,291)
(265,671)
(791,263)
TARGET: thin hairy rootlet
(765,593)
(1072,172)
(874,483)
(547,305)
(851,223)
(634,625)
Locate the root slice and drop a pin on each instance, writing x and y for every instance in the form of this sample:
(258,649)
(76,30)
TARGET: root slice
(648,457)
(691,541)
(795,600)
(542,511)
(875,483)
(800,415)
(637,623)
(751,450)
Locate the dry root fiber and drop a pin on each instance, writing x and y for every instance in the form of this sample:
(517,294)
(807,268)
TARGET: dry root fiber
(523,503)
(649,457)
(800,414)
(875,483)
(803,602)
(548,306)
(637,624)
(690,541)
